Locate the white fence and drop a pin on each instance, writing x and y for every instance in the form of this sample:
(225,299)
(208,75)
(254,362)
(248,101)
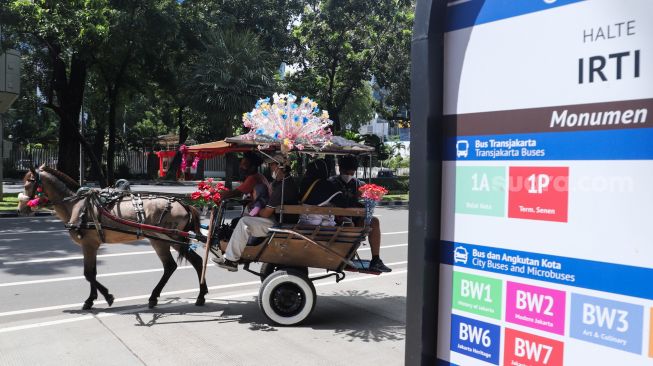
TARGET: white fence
(375,171)
(21,158)
(136,161)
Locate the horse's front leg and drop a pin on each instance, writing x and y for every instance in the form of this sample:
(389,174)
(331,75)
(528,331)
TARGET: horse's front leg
(162,249)
(88,304)
(90,273)
(196,261)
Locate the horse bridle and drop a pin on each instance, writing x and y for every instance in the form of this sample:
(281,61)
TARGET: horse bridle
(36,180)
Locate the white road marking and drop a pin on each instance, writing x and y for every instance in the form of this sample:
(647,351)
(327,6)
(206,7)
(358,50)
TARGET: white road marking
(77,257)
(385,247)
(74,278)
(395,232)
(9,232)
(234,296)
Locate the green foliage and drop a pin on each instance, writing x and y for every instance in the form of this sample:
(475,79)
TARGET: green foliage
(339,42)
(395,185)
(229,76)
(392,68)
(397,161)
(71,24)
(359,109)
(147,129)
(193,67)
(382,152)
(352,135)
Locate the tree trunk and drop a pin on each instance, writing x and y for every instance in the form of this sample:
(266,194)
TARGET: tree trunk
(70,94)
(98,150)
(335,117)
(68,157)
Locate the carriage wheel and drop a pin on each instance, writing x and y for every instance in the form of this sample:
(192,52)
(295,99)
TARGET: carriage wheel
(287,297)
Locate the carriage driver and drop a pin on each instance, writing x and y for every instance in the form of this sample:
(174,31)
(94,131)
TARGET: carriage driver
(348,184)
(249,226)
(249,165)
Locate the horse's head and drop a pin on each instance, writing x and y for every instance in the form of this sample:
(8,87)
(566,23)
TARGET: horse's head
(31,183)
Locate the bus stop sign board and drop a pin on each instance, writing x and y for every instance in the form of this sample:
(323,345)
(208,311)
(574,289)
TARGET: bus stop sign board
(547,252)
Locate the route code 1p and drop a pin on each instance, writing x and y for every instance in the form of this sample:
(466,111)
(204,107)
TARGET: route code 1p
(538,193)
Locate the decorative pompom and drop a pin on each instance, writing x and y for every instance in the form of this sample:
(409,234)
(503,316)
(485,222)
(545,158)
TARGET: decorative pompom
(292,123)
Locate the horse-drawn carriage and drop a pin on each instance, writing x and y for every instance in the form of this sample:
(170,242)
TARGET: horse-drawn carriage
(287,295)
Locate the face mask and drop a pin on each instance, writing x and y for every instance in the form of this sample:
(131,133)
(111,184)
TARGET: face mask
(346,178)
(274,175)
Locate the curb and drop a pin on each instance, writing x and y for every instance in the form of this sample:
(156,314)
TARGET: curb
(15,214)
(393,203)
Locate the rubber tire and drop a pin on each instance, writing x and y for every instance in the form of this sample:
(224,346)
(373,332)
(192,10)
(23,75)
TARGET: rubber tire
(281,277)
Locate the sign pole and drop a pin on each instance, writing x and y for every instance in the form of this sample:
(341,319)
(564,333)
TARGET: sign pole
(424,220)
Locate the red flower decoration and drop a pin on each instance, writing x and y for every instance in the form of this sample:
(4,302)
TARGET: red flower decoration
(372,191)
(207,193)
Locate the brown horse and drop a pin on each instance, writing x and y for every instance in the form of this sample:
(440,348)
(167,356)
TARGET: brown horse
(59,189)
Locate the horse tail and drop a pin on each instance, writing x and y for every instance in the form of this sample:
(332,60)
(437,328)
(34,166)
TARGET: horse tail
(194,225)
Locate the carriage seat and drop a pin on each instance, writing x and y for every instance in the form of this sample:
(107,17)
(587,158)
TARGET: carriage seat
(255,240)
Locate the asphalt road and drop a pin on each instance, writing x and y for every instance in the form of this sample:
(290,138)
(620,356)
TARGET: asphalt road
(357,321)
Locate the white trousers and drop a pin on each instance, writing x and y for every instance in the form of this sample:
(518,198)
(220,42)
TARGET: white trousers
(247,227)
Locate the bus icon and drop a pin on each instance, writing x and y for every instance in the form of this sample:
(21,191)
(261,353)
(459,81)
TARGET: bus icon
(462,149)
(460,255)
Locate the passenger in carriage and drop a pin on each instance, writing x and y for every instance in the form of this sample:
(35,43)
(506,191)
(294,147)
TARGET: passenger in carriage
(284,191)
(316,190)
(249,165)
(348,184)
(260,197)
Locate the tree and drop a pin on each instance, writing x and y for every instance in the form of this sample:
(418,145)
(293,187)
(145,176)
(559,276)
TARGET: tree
(359,109)
(28,121)
(337,45)
(64,33)
(138,31)
(392,70)
(229,77)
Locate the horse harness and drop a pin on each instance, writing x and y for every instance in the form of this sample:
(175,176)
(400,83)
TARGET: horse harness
(98,203)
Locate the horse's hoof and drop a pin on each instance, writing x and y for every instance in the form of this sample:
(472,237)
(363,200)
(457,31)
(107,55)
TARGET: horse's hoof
(151,304)
(110,299)
(87,306)
(200,302)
